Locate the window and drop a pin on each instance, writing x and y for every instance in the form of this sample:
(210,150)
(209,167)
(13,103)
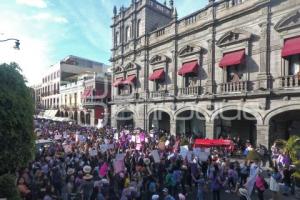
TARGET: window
(58,74)
(188,81)
(156,85)
(138,27)
(116,38)
(233,74)
(236,2)
(294,64)
(127,34)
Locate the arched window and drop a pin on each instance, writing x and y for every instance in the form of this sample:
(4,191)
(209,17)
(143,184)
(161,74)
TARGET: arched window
(138,27)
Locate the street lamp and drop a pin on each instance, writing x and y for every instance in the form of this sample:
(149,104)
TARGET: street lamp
(17,42)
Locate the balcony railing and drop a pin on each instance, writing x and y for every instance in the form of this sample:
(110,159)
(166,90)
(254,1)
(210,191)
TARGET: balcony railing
(159,94)
(196,90)
(233,87)
(291,81)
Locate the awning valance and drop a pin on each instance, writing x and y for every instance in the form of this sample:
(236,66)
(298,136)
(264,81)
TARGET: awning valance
(188,68)
(233,58)
(291,47)
(157,75)
(118,82)
(130,80)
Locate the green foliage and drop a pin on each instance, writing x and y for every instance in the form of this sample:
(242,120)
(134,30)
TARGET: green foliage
(253,155)
(292,147)
(16,120)
(8,189)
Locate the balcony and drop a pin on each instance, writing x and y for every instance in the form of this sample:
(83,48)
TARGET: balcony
(92,101)
(234,87)
(190,91)
(160,94)
(291,81)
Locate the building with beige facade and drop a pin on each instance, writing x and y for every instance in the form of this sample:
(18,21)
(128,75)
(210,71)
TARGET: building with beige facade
(59,75)
(230,68)
(85,98)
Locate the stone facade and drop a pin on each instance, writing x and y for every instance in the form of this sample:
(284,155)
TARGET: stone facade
(265,86)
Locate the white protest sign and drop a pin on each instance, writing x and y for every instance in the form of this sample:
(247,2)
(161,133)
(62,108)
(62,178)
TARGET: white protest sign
(120,156)
(93,152)
(204,154)
(183,151)
(103,148)
(155,156)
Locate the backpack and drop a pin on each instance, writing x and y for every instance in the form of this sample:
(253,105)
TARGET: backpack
(170,181)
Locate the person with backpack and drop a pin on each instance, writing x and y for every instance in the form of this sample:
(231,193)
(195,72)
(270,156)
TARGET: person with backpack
(260,185)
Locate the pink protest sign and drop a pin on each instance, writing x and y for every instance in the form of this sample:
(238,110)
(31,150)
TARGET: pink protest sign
(119,166)
(103,170)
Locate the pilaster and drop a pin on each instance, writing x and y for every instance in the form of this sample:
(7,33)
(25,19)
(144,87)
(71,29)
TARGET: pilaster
(209,130)
(262,132)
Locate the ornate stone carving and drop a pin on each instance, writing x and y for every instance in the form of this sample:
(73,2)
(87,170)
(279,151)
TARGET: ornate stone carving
(290,21)
(188,50)
(118,69)
(130,66)
(158,59)
(233,37)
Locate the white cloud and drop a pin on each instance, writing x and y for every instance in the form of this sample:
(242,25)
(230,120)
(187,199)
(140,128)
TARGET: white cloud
(49,17)
(33,3)
(33,56)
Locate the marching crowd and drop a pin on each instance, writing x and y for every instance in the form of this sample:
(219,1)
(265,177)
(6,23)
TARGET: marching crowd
(108,164)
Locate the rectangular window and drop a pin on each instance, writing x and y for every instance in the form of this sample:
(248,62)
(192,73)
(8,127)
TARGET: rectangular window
(294,65)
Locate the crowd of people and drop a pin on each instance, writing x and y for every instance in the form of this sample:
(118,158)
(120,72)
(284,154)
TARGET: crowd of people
(109,164)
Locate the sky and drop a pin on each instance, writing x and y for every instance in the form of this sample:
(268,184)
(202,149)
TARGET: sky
(50,30)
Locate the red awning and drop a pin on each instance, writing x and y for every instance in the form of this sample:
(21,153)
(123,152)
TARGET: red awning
(212,143)
(130,80)
(157,75)
(291,47)
(119,81)
(189,67)
(233,58)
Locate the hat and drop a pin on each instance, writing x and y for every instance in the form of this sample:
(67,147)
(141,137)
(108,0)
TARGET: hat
(87,177)
(181,196)
(146,161)
(70,171)
(155,197)
(165,190)
(87,169)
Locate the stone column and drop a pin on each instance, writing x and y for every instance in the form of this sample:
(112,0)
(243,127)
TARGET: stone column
(172,127)
(209,130)
(262,135)
(264,69)
(210,83)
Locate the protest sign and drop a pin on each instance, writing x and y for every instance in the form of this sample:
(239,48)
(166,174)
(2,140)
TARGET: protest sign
(120,156)
(155,156)
(184,151)
(138,147)
(119,166)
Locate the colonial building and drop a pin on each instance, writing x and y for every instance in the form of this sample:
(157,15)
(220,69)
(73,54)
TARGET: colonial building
(231,68)
(85,98)
(58,75)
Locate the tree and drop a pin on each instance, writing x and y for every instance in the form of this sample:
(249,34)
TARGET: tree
(292,147)
(16,120)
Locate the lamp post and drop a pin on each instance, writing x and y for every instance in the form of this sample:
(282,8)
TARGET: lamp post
(17,42)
